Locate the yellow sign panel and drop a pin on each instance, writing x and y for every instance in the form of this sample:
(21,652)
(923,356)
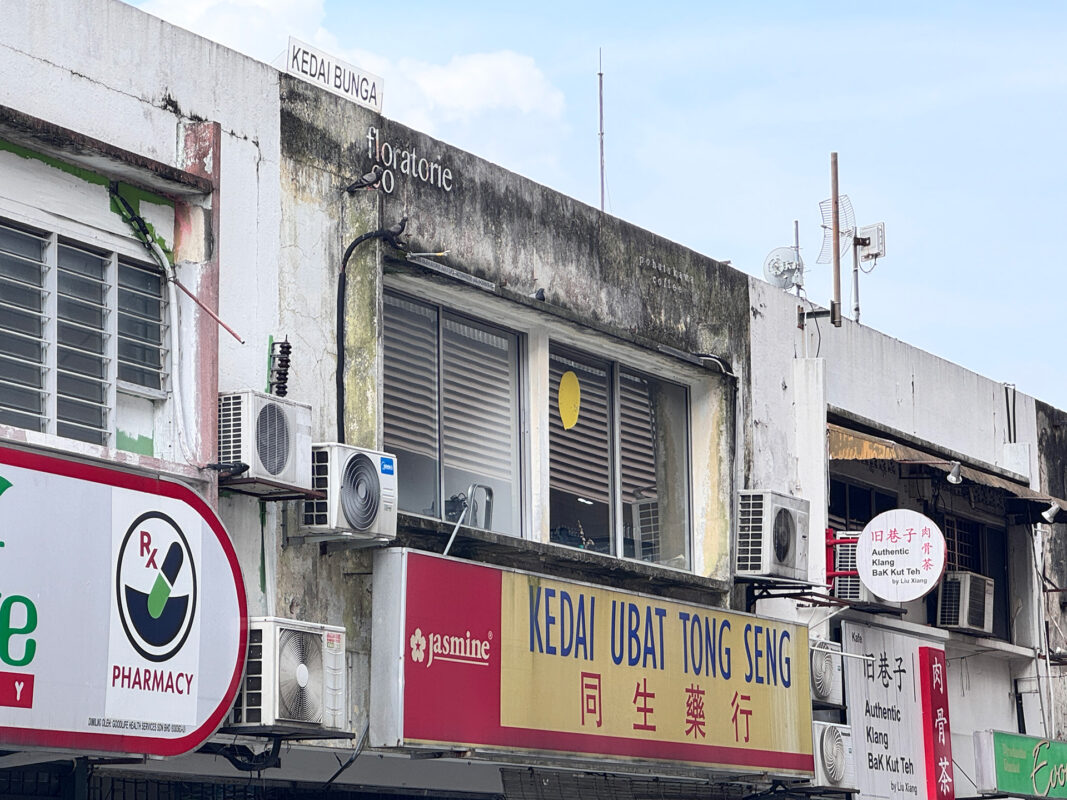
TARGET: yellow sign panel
(585,660)
(569,399)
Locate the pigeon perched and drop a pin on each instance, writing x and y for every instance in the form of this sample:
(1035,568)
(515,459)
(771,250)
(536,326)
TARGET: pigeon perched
(368,181)
(391,235)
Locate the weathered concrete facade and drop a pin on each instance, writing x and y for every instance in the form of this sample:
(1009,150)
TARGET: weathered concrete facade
(242,172)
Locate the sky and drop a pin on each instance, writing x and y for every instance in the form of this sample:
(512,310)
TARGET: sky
(719,121)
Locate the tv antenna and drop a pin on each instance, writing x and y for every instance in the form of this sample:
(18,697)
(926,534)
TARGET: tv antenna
(783,266)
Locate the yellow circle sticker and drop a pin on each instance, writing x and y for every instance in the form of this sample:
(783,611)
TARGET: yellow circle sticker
(569,398)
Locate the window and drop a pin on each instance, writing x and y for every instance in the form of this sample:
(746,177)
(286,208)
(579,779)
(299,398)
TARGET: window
(618,460)
(451,414)
(853,505)
(971,546)
(75,321)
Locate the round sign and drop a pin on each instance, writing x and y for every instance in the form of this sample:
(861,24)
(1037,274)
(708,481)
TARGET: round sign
(900,556)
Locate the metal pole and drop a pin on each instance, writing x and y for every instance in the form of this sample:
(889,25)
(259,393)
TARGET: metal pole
(600,76)
(835,304)
(855,279)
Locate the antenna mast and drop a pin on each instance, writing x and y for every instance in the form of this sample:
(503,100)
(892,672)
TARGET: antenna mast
(600,76)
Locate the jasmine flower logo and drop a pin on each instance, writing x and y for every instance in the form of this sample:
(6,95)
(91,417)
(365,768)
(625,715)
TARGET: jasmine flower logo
(418,646)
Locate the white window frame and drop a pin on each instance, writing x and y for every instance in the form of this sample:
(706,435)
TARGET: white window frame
(708,520)
(56,230)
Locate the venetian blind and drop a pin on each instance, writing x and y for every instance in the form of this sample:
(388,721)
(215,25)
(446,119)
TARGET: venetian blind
(480,421)
(410,391)
(580,458)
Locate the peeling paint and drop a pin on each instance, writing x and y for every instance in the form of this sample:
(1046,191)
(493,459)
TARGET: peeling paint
(142,445)
(132,194)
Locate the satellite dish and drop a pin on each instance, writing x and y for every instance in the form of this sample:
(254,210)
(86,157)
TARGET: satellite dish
(784,268)
(846,228)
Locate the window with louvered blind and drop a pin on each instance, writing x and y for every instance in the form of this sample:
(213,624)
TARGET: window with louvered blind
(619,477)
(451,413)
(74,322)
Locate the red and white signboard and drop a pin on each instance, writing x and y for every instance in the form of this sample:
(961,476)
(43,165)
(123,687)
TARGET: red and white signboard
(474,656)
(898,708)
(123,624)
(933,679)
(900,555)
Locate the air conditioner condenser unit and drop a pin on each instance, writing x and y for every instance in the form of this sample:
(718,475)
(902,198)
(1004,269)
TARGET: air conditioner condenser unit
(835,760)
(827,675)
(271,435)
(965,602)
(360,488)
(772,536)
(295,680)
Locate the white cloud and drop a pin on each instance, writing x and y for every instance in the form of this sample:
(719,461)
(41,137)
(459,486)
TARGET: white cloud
(469,84)
(258,28)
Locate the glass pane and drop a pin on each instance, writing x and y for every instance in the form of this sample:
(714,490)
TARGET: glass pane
(73,361)
(21,269)
(81,434)
(25,373)
(654,469)
(410,401)
(82,338)
(19,294)
(9,417)
(142,330)
(24,322)
(859,507)
(150,379)
(82,413)
(140,305)
(82,388)
(21,348)
(81,262)
(22,399)
(139,355)
(580,458)
(83,313)
(142,279)
(480,444)
(20,243)
(72,285)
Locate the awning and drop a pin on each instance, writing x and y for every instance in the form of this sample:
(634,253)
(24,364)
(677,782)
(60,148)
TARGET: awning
(846,444)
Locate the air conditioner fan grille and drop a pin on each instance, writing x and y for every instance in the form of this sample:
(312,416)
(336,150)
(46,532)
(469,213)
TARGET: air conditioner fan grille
(360,492)
(822,671)
(300,676)
(833,754)
(272,438)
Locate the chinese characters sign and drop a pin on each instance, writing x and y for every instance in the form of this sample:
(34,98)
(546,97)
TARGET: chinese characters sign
(898,707)
(933,671)
(507,660)
(900,555)
(1020,766)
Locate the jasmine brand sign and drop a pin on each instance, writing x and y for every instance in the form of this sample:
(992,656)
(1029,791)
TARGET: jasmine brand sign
(334,75)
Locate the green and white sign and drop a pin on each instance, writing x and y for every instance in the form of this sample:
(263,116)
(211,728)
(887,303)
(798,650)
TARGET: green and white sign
(1021,766)
(122,610)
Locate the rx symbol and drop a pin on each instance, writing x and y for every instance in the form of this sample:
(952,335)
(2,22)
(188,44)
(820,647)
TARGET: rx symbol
(146,547)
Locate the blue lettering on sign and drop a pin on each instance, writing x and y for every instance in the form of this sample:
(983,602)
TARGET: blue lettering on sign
(569,618)
(767,653)
(387,466)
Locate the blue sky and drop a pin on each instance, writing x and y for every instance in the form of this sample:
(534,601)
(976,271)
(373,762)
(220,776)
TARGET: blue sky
(948,120)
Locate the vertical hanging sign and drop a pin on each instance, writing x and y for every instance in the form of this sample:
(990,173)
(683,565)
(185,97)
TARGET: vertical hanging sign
(938,740)
(898,708)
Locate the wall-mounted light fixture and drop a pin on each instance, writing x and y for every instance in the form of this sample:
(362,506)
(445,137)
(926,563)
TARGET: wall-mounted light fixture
(953,475)
(1049,514)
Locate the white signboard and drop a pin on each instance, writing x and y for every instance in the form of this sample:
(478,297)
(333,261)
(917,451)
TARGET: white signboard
(900,555)
(334,75)
(885,710)
(123,622)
